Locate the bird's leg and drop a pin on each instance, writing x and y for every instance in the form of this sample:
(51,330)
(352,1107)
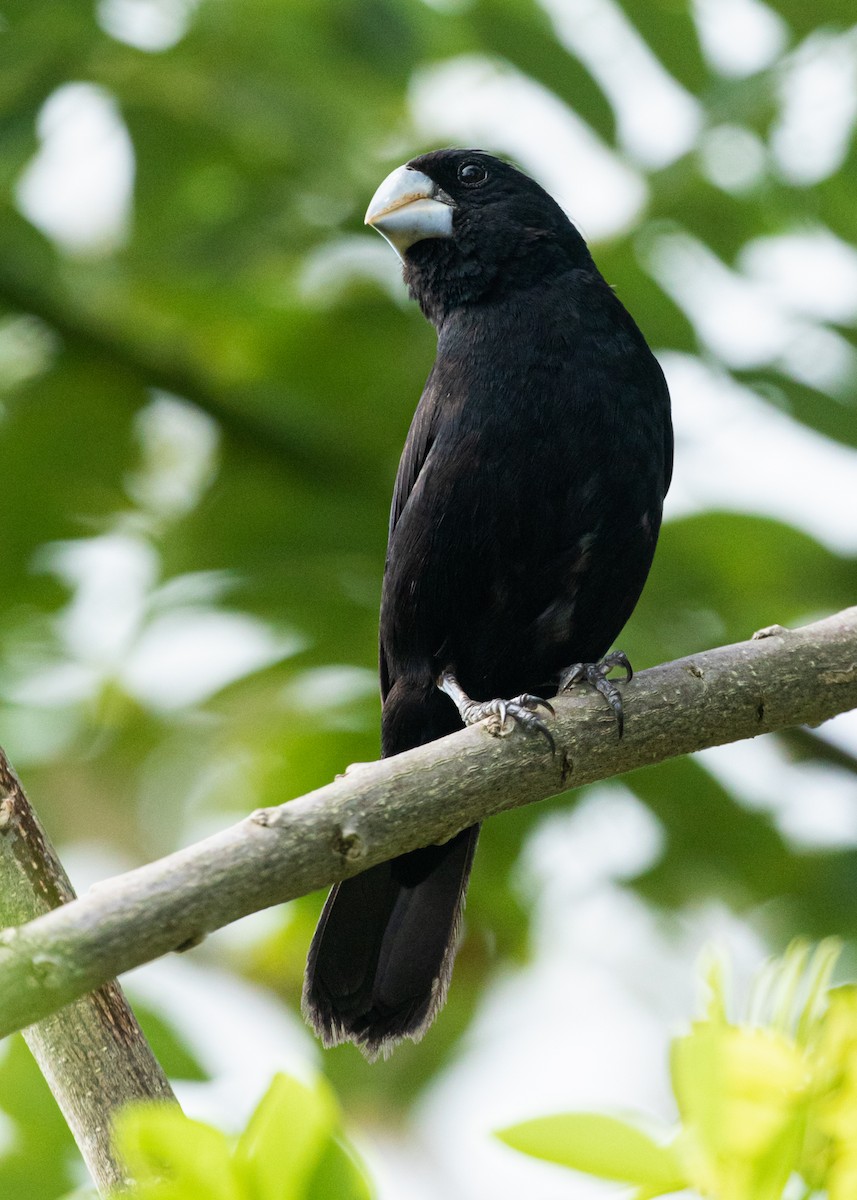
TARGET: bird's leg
(595,674)
(502,715)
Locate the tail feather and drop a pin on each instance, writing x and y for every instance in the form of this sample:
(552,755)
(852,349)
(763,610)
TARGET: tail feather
(379,964)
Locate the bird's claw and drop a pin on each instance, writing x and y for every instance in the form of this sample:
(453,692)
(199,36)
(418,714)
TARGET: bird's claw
(502,716)
(595,674)
(522,710)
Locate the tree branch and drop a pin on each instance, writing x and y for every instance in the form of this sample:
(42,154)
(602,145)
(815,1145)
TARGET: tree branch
(92,1053)
(779,679)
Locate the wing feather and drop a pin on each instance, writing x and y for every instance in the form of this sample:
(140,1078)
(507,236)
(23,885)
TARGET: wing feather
(419,442)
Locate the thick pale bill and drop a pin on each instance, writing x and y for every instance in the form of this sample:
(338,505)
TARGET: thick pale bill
(409,207)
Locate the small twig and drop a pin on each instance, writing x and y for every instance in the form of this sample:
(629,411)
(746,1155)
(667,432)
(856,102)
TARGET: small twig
(92,1053)
(783,679)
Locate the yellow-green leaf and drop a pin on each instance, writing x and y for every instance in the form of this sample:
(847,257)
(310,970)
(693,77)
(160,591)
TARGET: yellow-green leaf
(338,1174)
(285,1138)
(174,1158)
(738,1088)
(599,1145)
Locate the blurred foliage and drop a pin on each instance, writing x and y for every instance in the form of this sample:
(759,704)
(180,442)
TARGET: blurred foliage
(763,1102)
(292,1149)
(202,410)
(40,1161)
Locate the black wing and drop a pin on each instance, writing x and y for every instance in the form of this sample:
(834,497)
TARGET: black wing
(420,439)
(419,442)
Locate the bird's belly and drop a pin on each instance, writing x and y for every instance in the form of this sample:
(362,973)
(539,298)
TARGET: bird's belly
(508,583)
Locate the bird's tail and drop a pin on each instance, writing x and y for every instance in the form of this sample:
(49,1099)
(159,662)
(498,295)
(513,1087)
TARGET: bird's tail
(380,962)
(379,965)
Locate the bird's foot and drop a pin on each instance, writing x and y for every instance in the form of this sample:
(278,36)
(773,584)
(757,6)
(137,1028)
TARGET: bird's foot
(595,674)
(501,716)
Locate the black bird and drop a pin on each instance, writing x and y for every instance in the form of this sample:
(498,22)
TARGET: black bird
(524,520)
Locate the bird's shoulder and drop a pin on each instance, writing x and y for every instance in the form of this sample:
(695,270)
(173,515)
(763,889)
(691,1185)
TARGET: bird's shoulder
(418,444)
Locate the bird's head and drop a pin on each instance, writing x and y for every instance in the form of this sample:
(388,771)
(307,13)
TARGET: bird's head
(469,227)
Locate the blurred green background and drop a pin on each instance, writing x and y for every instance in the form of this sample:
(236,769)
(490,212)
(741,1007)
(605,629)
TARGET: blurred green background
(207,371)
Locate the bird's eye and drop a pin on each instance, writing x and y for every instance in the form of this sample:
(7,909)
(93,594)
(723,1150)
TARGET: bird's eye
(472,173)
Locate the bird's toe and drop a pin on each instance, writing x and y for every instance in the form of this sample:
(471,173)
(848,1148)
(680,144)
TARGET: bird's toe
(596,676)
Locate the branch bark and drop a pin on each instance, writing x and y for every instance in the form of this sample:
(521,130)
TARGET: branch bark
(779,679)
(92,1053)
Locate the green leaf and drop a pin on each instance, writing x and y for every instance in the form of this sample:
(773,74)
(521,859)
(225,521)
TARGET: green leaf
(742,1095)
(339,1174)
(174,1158)
(285,1139)
(38,1159)
(598,1145)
